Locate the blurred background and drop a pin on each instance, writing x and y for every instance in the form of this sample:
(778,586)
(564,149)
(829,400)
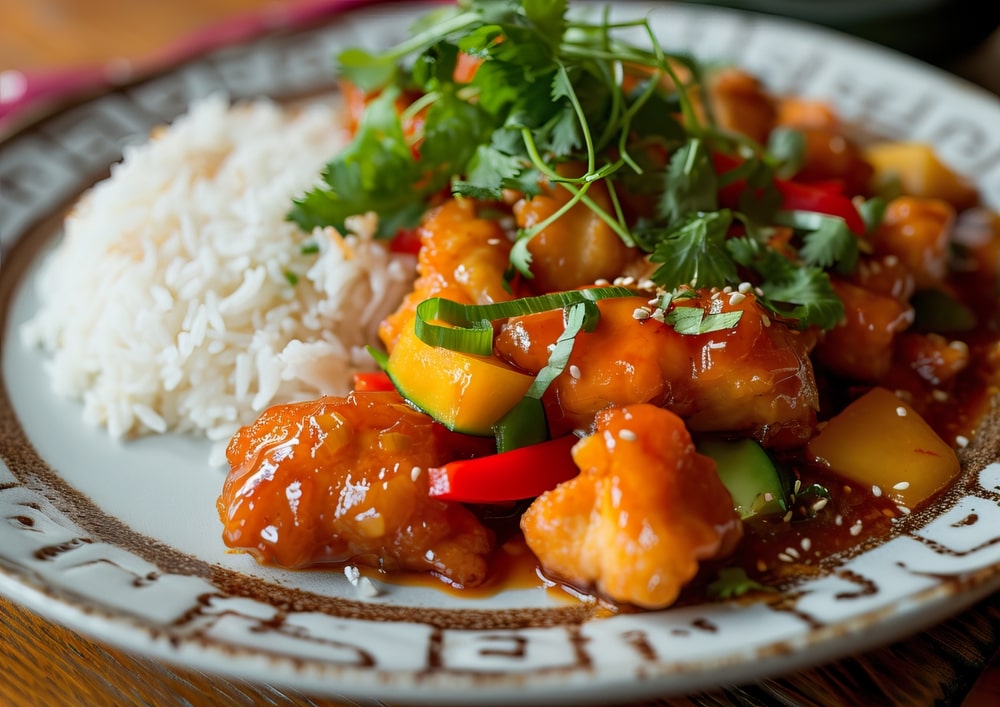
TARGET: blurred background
(52,37)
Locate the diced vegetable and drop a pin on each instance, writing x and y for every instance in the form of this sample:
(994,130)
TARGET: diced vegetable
(821,200)
(881,443)
(465,393)
(749,474)
(917,171)
(372,381)
(521,473)
(937,311)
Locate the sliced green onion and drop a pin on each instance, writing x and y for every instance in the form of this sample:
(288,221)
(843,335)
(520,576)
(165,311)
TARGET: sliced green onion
(525,423)
(470,327)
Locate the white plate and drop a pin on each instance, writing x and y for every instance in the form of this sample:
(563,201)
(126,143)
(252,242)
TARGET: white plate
(122,541)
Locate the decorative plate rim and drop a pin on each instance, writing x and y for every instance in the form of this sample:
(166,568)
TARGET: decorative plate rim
(30,503)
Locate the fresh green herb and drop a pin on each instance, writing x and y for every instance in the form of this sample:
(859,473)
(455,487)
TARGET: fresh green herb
(291,277)
(555,87)
(694,252)
(309,248)
(693,320)
(734,582)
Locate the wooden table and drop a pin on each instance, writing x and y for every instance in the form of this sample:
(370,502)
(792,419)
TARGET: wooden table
(42,663)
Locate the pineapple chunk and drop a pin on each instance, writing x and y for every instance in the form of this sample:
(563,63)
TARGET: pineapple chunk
(880,442)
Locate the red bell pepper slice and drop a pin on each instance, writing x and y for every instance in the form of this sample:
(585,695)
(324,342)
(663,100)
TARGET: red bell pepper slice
(521,473)
(826,198)
(821,200)
(373,381)
(406,240)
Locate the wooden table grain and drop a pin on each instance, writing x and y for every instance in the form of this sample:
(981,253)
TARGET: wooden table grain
(43,663)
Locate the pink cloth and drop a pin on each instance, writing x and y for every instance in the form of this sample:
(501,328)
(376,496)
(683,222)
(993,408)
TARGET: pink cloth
(20,92)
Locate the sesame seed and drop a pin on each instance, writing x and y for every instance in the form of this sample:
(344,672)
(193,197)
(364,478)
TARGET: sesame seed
(574,372)
(806,544)
(628,435)
(820,505)
(765,320)
(768,496)
(415,473)
(839,520)
(891,260)
(876,490)
(659,315)
(904,510)
(641,313)
(791,551)
(601,282)
(856,528)
(797,486)
(959,346)
(787,517)
(744,287)
(647,285)
(736,297)
(902,485)
(962,441)
(784,558)
(901,411)
(493,241)
(939,395)
(727,290)
(715,294)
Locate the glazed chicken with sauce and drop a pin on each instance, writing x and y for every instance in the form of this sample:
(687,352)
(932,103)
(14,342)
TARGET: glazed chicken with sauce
(755,377)
(646,510)
(337,480)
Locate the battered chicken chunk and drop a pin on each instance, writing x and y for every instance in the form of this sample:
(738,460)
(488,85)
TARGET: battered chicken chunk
(342,480)
(644,511)
(754,377)
(462,257)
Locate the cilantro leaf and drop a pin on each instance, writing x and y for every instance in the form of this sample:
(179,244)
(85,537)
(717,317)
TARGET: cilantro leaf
(827,240)
(453,130)
(690,183)
(807,295)
(549,16)
(734,582)
(373,174)
(787,148)
(490,171)
(368,71)
(435,66)
(693,320)
(694,253)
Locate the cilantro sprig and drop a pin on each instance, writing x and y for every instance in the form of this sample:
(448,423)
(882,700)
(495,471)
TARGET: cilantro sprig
(556,87)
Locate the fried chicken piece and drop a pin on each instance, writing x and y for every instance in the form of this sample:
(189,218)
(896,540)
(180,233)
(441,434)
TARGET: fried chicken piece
(753,377)
(342,480)
(462,257)
(644,511)
(577,249)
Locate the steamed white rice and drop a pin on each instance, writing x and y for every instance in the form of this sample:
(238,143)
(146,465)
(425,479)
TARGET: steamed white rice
(181,299)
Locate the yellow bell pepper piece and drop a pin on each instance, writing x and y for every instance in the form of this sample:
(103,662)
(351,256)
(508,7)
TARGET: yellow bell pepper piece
(465,393)
(880,442)
(918,171)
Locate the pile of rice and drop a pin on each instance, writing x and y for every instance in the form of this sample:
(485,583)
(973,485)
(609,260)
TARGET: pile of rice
(181,299)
